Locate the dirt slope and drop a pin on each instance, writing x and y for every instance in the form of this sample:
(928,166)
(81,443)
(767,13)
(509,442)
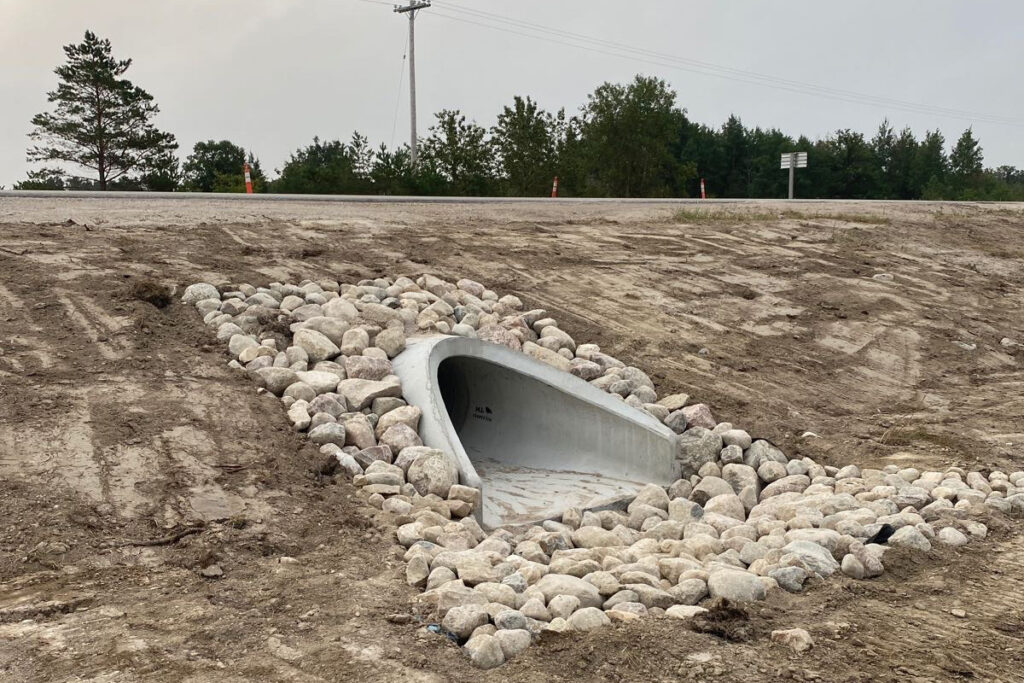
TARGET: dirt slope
(119,424)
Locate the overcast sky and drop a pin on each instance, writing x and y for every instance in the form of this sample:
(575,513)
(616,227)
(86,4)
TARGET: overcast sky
(271,74)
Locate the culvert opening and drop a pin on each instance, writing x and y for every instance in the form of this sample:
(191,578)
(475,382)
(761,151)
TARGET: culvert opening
(539,448)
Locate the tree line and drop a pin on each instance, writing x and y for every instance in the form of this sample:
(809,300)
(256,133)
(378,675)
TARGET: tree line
(626,140)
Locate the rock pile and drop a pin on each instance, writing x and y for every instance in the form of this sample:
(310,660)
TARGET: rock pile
(743,521)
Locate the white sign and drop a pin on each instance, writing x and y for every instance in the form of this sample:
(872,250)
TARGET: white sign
(794,160)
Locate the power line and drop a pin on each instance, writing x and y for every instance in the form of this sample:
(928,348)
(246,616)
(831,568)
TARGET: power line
(398,96)
(610,48)
(726,70)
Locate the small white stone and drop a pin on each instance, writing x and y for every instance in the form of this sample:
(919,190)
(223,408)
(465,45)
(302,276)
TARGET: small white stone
(798,639)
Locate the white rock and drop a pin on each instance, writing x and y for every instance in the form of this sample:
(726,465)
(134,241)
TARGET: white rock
(689,591)
(485,651)
(684,611)
(563,605)
(588,618)
(708,488)
(852,567)
(797,639)
(400,437)
(513,641)
(547,356)
(407,415)
(952,537)
(848,472)
(811,556)
(729,505)
(321,382)
(552,585)
(558,625)
(241,342)
(299,416)
(595,537)
(464,619)
(535,609)
(340,308)
(736,437)
(910,537)
(227,330)
(735,585)
(391,341)
(198,292)
(770,471)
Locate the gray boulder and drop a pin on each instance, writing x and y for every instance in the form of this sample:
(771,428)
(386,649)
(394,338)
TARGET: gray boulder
(276,380)
(316,345)
(811,556)
(330,432)
(360,393)
(553,585)
(695,447)
(433,472)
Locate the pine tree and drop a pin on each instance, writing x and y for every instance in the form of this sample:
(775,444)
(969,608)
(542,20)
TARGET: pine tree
(966,158)
(101,122)
(930,165)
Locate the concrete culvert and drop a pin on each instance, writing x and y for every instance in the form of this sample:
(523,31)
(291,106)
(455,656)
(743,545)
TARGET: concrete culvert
(535,440)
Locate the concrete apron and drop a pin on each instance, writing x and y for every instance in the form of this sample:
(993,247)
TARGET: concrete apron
(535,440)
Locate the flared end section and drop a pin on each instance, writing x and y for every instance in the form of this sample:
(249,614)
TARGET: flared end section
(534,439)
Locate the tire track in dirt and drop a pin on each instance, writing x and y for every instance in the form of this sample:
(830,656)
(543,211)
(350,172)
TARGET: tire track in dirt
(99,328)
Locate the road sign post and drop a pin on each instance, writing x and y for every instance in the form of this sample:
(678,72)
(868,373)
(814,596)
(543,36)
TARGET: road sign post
(793,161)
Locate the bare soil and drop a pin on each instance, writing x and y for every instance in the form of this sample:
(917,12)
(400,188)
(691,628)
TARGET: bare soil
(132,458)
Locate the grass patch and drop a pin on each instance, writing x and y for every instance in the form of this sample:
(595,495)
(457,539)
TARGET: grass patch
(902,437)
(704,216)
(862,218)
(710,216)
(856,237)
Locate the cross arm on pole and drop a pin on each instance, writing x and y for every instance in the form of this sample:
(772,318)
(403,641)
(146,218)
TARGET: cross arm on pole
(412,7)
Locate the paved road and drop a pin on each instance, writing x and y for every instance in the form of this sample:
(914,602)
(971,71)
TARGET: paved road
(365,198)
(387,199)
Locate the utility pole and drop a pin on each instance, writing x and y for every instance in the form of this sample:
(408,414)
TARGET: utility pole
(411,9)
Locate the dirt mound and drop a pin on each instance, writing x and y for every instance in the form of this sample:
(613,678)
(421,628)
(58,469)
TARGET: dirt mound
(726,620)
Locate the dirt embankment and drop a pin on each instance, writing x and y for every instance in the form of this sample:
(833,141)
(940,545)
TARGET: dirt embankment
(876,327)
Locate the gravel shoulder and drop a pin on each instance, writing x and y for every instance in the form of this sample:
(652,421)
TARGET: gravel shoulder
(876,327)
